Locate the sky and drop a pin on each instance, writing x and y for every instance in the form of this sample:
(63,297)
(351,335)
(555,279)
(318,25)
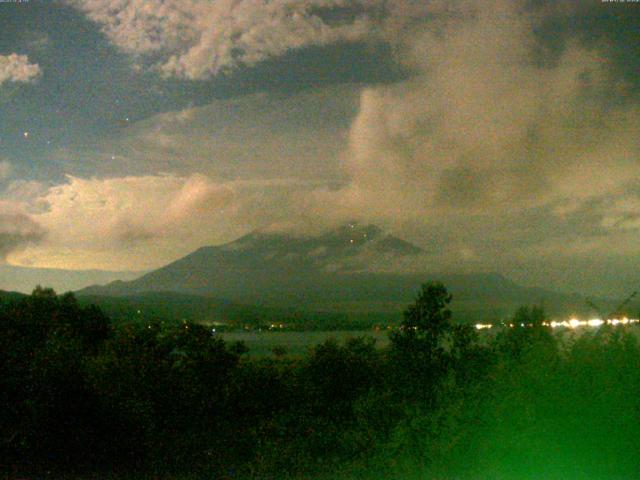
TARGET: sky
(498,135)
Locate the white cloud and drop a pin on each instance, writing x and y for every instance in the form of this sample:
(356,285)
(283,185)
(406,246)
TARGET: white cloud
(16,68)
(92,221)
(127,207)
(196,39)
(113,223)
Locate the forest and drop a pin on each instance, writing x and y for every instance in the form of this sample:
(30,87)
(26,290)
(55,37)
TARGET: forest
(82,396)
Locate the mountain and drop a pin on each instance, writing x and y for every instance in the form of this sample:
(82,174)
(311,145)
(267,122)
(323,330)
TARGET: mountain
(265,265)
(267,276)
(339,271)
(9,297)
(24,279)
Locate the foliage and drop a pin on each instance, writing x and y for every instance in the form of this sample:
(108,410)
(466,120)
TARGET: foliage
(82,395)
(419,349)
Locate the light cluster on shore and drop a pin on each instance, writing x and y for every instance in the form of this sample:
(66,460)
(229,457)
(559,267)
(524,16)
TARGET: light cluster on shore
(571,323)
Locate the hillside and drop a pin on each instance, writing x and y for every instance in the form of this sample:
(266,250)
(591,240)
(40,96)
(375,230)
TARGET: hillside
(335,272)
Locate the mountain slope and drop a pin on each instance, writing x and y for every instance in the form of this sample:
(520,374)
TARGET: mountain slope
(266,264)
(334,272)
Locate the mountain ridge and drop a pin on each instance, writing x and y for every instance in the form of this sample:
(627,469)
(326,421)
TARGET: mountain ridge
(328,272)
(345,250)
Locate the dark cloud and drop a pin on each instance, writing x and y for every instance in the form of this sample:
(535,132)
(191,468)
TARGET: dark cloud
(16,232)
(462,187)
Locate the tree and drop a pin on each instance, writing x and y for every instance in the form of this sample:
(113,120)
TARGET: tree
(47,407)
(418,347)
(528,336)
(427,320)
(338,374)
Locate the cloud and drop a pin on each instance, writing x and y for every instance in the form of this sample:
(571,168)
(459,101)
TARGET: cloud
(505,148)
(261,160)
(486,134)
(112,223)
(127,208)
(91,222)
(16,68)
(5,169)
(196,39)
(259,136)
(17,231)
(622,214)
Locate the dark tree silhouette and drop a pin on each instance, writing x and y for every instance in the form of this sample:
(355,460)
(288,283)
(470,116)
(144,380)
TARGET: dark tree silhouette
(427,320)
(527,336)
(418,347)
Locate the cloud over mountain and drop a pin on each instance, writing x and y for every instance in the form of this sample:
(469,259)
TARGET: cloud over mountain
(97,217)
(112,223)
(494,128)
